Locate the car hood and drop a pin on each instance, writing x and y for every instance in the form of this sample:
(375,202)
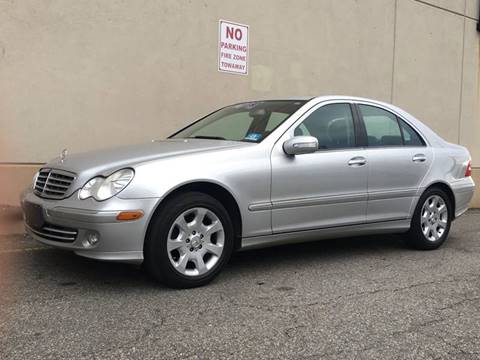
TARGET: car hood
(101,162)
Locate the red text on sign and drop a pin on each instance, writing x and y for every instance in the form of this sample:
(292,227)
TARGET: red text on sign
(232,32)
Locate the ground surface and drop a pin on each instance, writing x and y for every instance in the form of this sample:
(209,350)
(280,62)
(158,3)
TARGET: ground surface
(343,299)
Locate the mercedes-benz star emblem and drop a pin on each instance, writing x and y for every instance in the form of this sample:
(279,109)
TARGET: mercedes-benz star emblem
(63,155)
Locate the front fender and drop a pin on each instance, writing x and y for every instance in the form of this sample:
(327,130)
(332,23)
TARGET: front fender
(244,172)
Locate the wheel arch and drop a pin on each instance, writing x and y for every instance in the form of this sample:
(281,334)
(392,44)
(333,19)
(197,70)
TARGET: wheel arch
(216,191)
(447,189)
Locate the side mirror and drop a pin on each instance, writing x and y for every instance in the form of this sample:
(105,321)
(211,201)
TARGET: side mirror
(300,145)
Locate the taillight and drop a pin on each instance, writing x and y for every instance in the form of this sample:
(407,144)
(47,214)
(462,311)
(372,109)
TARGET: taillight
(468,171)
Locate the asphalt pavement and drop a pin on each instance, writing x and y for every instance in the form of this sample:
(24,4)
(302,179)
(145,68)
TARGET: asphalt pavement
(356,298)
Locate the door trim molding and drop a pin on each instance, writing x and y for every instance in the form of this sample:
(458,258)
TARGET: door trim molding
(392,194)
(313,201)
(333,199)
(261,206)
(323,200)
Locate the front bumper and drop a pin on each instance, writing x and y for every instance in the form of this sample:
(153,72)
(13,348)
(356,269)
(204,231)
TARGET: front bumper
(118,240)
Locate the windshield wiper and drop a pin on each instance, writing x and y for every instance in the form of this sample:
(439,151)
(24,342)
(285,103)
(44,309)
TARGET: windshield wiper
(207,137)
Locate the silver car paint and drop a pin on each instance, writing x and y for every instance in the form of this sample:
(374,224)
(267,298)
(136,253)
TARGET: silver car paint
(122,241)
(316,190)
(280,198)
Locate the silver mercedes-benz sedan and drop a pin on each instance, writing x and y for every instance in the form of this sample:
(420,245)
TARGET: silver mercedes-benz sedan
(250,175)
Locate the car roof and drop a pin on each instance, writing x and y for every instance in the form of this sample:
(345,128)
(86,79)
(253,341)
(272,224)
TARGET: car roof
(291,98)
(319,98)
(322,98)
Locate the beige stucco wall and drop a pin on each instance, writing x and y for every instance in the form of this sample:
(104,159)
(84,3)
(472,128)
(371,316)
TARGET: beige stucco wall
(13,180)
(88,74)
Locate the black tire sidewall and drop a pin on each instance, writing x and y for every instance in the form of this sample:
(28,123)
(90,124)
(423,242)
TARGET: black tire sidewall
(416,237)
(155,250)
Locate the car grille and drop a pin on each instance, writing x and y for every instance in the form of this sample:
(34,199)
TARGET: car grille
(56,233)
(52,183)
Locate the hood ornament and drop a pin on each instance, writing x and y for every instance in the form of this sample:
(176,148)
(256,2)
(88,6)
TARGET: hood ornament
(63,155)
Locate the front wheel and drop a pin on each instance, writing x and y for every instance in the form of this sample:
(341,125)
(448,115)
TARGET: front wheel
(190,240)
(431,220)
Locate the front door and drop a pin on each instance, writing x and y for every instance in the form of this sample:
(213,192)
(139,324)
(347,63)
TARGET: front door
(328,187)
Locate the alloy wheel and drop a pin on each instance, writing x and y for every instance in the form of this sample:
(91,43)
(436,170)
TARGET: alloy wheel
(195,241)
(434,218)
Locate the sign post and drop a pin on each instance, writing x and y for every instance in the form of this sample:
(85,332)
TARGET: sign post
(233,48)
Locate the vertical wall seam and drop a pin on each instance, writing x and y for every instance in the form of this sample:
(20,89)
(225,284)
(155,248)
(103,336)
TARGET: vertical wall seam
(392,89)
(460,112)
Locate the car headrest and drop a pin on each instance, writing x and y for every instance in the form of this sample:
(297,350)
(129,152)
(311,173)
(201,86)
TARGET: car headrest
(391,140)
(337,131)
(298,132)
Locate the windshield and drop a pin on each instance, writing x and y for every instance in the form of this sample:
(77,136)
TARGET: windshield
(251,121)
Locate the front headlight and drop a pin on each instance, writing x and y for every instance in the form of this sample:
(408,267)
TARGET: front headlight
(101,188)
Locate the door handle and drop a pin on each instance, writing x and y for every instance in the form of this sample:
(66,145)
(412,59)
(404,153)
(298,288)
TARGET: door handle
(419,158)
(357,161)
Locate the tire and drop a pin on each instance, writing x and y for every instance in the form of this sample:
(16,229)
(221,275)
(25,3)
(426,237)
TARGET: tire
(192,252)
(431,220)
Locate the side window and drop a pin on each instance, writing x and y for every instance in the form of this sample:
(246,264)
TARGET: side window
(332,125)
(410,136)
(382,127)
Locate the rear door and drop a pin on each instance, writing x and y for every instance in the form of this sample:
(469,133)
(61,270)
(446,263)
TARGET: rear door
(398,161)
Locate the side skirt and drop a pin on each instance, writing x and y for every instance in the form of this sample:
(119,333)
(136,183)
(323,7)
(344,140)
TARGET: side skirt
(384,227)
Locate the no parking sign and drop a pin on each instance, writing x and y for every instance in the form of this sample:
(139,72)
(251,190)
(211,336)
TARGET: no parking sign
(233,48)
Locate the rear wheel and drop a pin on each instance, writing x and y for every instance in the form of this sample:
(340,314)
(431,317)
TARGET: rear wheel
(431,220)
(189,242)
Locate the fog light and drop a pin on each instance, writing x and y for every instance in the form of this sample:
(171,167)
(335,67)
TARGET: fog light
(91,240)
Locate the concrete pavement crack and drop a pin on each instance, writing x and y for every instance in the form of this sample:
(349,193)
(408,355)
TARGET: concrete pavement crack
(458,303)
